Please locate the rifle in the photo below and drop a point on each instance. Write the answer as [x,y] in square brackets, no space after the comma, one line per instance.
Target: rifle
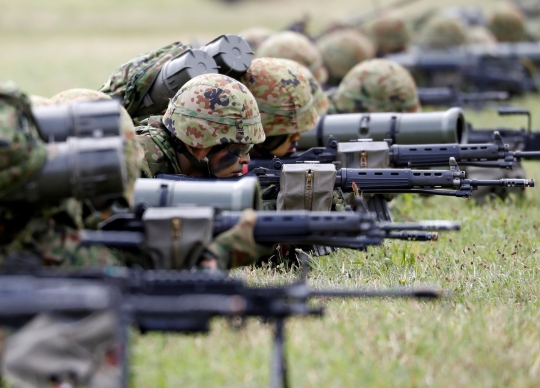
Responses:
[450,96]
[476,66]
[168,301]
[349,229]
[527,140]
[492,155]
[392,181]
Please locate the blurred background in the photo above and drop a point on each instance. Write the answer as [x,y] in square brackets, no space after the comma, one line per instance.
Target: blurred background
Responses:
[50,46]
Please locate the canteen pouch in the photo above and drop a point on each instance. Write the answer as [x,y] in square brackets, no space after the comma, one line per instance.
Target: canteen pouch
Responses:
[367,154]
[177,236]
[306,187]
[364,154]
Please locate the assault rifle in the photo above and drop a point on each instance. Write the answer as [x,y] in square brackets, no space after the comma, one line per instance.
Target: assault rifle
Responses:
[449,96]
[525,139]
[476,66]
[392,181]
[149,231]
[493,155]
[168,301]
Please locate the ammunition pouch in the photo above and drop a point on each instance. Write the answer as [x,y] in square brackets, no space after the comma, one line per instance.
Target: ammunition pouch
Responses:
[306,187]
[176,237]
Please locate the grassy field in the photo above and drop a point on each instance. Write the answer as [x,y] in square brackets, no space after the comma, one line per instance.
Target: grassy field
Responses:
[486,335]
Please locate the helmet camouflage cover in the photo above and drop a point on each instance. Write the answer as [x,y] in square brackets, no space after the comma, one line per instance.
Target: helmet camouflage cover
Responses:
[132,80]
[377,85]
[441,32]
[283,95]
[297,47]
[254,36]
[389,34]
[320,100]
[133,152]
[22,153]
[342,50]
[213,109]
[507,23]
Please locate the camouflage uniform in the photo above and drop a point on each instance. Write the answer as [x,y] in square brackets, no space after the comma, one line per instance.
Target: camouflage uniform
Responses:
[442,32]
[255,36]
[45,235]
[389,34]
[297,47]
[376,85]
[342,50]
[39,101]
[133,79]
[507,23]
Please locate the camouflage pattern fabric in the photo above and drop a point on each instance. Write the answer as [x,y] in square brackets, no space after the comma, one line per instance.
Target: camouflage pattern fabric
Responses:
[237,246]
[213,109]
[389,34]
[320,101]
[254,36]
[131,81]
[22,153]
[480,35]
[283,96]
[443,32]
[507,23]
[159,154]
[297,47]
[133,152]
[376,85]
[342,50]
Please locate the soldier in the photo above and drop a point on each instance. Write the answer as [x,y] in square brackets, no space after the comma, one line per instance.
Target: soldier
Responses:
[130,82]
[376,85]
[285,100]
[297,47]
[209,128]
[507,23]
[97,212]
[389,34]
[255,36]
[342,50]
[320,100]
[442,32]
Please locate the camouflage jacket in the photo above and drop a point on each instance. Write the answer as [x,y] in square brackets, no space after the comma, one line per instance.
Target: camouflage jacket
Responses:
[133,79]
[159,154]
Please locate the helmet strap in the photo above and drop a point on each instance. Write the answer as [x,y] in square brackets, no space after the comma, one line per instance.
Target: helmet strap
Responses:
[201,165]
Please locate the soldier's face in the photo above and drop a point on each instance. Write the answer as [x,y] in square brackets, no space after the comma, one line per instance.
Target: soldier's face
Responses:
[229,160]
[287,147]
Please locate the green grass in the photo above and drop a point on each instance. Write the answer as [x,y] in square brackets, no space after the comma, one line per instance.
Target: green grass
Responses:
[485,335]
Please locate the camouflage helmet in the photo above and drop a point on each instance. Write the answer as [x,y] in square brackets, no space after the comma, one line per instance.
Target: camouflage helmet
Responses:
[377,85]
[255,36]
[320,100]
[480,35]
[507,23]
[283,95]
[342,50]
[133,152]
[441,32]
[213,109]
[23,153]
[295,46]
[389,34]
